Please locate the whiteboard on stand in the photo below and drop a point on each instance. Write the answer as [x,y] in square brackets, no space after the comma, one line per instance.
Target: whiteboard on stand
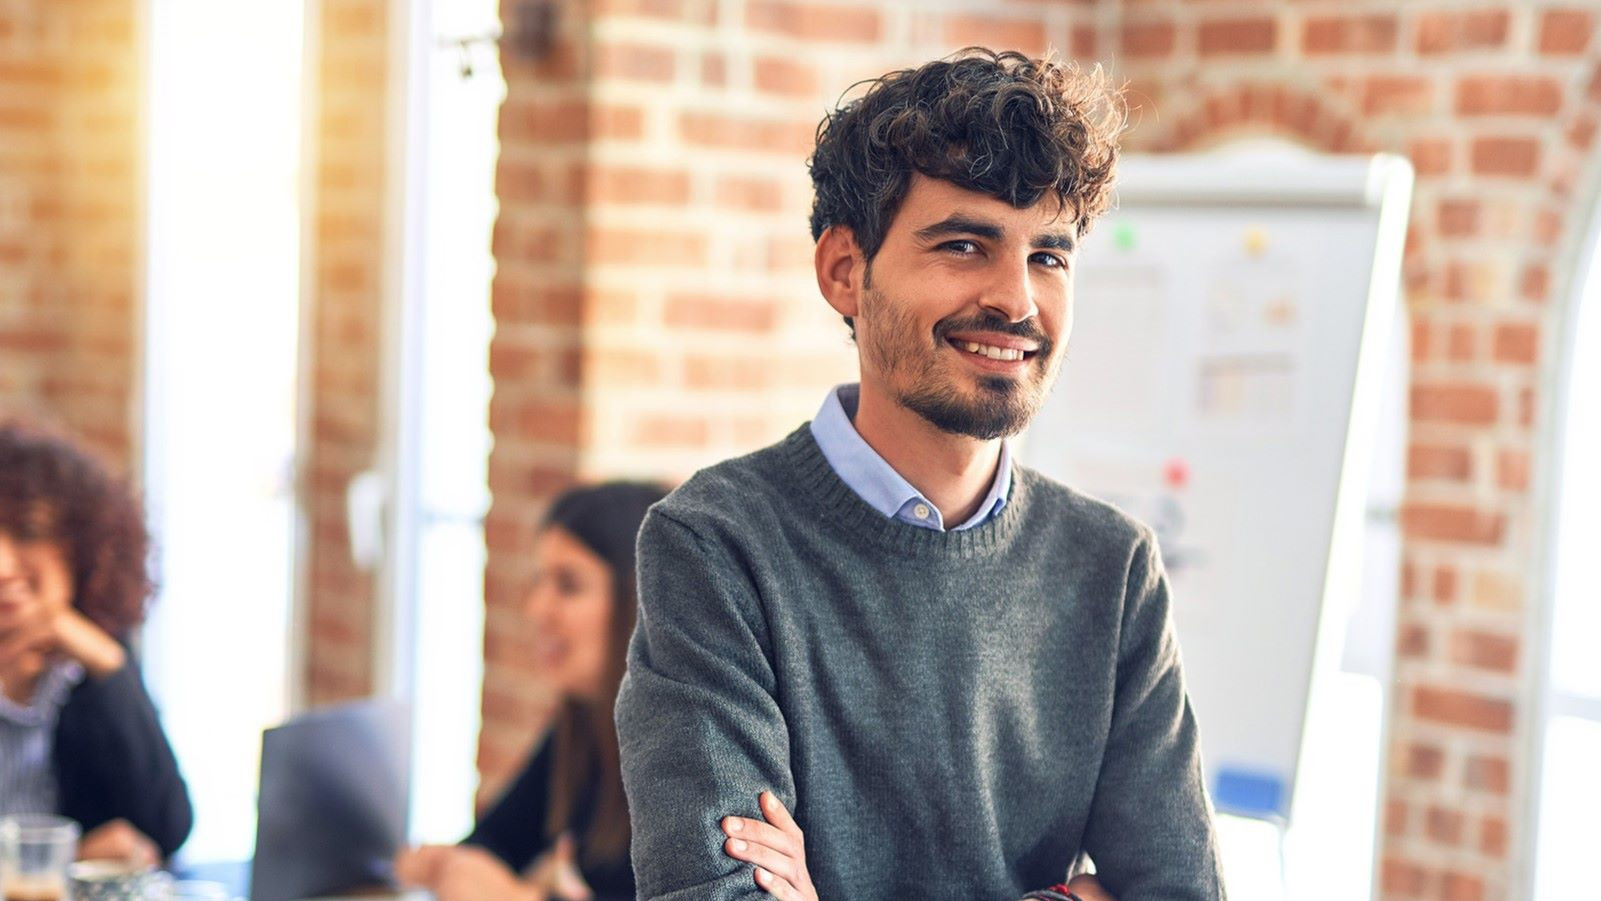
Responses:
[1222,384]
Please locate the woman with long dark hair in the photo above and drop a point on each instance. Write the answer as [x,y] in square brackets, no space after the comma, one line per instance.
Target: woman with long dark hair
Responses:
[566,808]
[78,733]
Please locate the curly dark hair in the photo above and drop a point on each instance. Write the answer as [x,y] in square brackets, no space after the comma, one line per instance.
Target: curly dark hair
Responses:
[1012,127]
[53,490]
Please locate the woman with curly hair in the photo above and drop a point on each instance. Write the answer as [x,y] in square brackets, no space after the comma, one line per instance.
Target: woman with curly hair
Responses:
[78,733]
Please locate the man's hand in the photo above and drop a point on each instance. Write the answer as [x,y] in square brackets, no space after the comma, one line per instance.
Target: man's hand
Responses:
[1087,887]
[119,840]
[777,848]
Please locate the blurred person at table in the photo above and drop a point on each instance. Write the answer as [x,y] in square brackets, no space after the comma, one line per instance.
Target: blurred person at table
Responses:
[560,832]
[78,733]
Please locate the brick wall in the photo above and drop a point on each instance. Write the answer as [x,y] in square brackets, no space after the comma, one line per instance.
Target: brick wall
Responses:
[69,232]
[351,68]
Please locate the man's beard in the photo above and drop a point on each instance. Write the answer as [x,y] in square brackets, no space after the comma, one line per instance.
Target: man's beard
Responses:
[1003,406]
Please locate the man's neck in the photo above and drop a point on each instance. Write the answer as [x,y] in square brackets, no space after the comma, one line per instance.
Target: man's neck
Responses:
[954,472]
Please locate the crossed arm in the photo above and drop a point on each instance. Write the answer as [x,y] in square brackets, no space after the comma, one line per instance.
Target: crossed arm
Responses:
[776,848]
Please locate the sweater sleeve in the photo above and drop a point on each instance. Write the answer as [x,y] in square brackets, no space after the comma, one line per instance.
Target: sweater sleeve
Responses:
[1150,828]
[112,760]
[700,732]
[513,829]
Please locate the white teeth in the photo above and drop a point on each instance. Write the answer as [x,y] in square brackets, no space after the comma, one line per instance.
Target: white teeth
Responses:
[994,353]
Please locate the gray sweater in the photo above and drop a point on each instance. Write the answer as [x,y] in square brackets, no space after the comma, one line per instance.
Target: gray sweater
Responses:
[949,715]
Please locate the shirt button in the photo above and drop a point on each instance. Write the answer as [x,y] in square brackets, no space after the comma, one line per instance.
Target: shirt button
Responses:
[920,511]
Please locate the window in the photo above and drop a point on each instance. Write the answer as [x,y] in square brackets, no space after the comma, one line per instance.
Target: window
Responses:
[1569,732]
[222,324]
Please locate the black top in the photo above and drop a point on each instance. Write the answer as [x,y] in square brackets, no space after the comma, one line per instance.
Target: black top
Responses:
[112,760]
[514,829]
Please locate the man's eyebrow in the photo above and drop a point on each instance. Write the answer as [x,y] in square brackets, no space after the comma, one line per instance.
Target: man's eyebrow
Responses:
[1055,241]
[959,224]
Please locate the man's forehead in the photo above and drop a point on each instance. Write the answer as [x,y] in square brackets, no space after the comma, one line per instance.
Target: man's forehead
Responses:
[930,201]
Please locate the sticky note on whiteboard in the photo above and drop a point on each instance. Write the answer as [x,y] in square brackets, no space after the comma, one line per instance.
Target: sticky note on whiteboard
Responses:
[1249,793]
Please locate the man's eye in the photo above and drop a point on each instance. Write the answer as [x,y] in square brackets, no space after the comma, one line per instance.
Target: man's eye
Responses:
[1050,260]
[961,248]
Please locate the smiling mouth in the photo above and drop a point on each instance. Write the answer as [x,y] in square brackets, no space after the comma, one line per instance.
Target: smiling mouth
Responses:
[991,352]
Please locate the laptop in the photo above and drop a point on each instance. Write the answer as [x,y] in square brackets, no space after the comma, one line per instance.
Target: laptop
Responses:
[335,789]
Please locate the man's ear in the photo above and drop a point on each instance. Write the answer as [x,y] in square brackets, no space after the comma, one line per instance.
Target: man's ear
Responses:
[840,269]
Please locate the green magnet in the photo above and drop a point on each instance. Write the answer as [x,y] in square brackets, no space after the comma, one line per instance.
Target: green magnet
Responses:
[1123,236]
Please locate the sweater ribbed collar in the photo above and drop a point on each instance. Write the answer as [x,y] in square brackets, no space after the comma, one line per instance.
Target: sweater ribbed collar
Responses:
[814,480]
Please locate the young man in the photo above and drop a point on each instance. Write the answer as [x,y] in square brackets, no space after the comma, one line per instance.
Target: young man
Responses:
[959,675]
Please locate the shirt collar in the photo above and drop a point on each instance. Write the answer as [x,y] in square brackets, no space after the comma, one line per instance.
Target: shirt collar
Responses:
[875,481]
[48,696]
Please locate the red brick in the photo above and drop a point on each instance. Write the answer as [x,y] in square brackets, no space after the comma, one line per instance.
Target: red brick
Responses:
[723,372]
[1148,39]
[756,194]
[1462,341]
[791,139]
[1443,522]
[1455,886]
[628,185]
[1517,342]
[1250,35]
[1457,218]
[1467,404]
[636,62]
[785,77]
[1027,35]
[714,70]
[1460,708]
[1412,642]
[1445,584]
[679,11]
[1402,878]
[613,367]
[1443,826]
[544,421]
[1536,282]
[1424,761]
[1430,156]
[815,21]
[1506,156]
[1430,461]
[1512,470]
[1084,42]
[1566,32]
[1483,650]
[1457,32]
[616,122]
[1508,95]
[1395,817]
[1349,34]
[666,431]
[1408,95]
[1487,774]
[1493,837]
[722,313]
[644,246]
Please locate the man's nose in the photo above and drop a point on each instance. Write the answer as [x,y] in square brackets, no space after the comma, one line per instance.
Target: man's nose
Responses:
[1010,294]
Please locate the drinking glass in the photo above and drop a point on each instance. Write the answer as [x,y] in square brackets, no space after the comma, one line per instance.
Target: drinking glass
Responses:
[35,850]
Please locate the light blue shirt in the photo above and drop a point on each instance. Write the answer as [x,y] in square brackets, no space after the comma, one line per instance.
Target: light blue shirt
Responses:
[876,482]
[27,736]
